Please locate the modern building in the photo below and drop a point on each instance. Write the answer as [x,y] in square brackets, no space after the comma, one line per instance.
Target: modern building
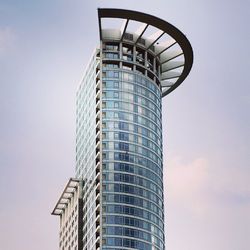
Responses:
[69,207]
[117,196]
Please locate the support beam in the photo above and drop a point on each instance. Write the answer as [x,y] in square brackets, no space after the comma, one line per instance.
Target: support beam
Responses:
[170,65]
[155,37]
[167,45]
[141,31]
[167,84]
[170,55]
[100,27]
[123,28]
[169,75]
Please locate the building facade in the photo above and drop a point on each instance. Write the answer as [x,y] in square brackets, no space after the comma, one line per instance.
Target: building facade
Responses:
[119,158]
[69,208]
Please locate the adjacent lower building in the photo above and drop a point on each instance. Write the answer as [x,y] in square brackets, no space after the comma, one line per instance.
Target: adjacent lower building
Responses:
[70,209]
[117,202]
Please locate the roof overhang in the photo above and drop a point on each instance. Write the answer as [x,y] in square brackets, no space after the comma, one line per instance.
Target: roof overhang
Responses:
[173,70]
[66,195]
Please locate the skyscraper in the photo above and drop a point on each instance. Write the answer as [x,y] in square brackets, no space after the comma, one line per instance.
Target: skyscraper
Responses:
[115,200]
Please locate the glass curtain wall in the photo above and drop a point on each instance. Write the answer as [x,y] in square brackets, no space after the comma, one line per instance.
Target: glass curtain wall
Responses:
[132,187]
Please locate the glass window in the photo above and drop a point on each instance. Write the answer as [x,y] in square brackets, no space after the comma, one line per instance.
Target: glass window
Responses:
[111,46]
[127,49]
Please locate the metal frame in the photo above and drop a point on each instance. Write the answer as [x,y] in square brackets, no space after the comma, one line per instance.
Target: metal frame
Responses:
[66,195]
[166,28]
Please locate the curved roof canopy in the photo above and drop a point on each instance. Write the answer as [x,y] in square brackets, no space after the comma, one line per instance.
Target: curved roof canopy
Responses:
[167,42]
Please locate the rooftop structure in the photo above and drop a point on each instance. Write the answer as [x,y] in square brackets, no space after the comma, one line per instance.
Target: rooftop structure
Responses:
[168,44]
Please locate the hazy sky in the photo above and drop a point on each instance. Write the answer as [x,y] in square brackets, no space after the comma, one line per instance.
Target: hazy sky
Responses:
[44,47]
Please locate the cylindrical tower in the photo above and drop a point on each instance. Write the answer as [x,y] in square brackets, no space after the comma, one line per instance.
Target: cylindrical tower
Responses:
[131,148]
[138,67]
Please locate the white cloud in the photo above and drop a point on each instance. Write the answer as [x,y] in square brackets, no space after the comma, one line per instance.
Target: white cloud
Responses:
[207,204]
[185,183]
[204,188]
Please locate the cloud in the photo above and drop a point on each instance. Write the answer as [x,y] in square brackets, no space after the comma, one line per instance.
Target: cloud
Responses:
[204,188]
[7,37]
[185,183]
[186,178]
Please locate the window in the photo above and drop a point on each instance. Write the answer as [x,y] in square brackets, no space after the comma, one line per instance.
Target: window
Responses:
[111,74]
[127,67]
[127,49]
[127,58]
[128,36]
[110,65]
[111,55]
[111,46]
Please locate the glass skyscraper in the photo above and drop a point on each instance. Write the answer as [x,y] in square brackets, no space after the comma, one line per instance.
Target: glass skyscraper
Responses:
[119,160]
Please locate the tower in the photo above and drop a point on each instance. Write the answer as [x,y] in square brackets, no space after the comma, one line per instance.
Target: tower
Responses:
[119,160]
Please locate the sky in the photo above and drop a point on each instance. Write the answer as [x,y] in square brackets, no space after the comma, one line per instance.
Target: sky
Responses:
[44,48]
